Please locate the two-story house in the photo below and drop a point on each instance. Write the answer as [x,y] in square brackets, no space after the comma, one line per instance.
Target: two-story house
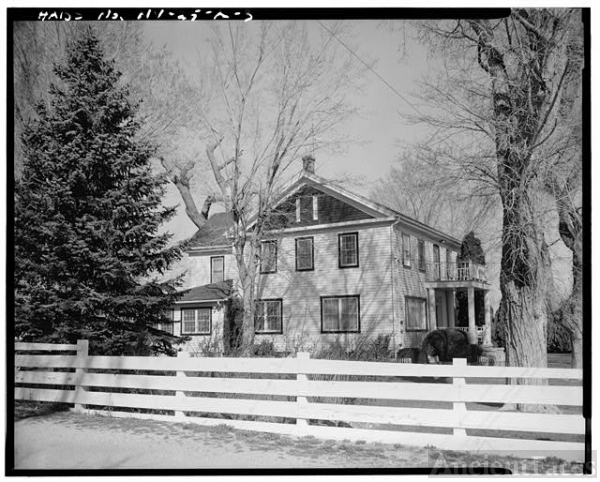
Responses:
[341,267]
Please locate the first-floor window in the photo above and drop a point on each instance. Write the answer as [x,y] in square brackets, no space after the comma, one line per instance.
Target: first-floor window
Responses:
[166,326]
[268,316]
[415,314]
[340,314]
[196,321]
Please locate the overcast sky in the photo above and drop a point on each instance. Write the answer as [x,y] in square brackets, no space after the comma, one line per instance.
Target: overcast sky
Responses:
[379,132]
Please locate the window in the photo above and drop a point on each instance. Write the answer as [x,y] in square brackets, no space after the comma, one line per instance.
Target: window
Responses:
[166,326]
[340,314]
[298,207]
[449,270]
[348,250]
[196,321]
[268,316]
[436,262]
[406,250]
[268,257]
[415,314]
[304,254]
[217,269]
[421,255]
[315,207]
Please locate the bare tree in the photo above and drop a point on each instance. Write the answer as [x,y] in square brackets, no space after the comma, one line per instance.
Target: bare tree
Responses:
[278,91]
[415,188]
[496,116]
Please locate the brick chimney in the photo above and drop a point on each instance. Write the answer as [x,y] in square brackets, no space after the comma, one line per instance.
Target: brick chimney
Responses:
[308,163]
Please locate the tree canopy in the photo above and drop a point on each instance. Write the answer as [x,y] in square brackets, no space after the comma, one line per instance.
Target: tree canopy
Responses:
[88,210]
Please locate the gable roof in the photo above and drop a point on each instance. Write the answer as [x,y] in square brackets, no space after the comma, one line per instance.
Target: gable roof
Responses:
[218,227]
[328,187]
[373,208]
[211,292]
[213,232]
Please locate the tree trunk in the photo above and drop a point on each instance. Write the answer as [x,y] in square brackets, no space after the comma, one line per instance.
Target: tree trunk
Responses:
[247,267]
[577,349]
[191,209]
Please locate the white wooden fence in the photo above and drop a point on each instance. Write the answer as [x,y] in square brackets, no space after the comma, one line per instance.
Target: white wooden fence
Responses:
[380,402]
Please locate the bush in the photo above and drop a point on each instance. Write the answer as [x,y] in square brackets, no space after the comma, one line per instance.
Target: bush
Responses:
[365,350]
[265,349]
[559,337]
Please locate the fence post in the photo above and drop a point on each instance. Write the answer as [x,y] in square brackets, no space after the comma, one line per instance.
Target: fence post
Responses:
[82,354]
[460,408]
[180,394]
[301,402]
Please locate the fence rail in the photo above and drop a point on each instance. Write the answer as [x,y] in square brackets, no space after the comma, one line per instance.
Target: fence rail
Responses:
[379,401]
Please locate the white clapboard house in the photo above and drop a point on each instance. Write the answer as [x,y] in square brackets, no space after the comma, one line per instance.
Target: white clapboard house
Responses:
[342,267]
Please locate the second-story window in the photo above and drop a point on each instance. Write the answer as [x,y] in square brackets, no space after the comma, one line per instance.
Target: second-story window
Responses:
[421,255]
[406,250]
[315,201]
[304,254]
[298,210]
[268,257]
[217,269]
[348,250]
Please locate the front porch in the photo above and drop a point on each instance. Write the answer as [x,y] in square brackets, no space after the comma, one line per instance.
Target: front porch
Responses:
[443,281]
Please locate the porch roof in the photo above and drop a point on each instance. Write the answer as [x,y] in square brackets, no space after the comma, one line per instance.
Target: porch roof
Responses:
[205,293]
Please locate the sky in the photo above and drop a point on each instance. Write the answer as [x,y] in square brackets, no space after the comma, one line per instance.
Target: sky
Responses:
[379,131]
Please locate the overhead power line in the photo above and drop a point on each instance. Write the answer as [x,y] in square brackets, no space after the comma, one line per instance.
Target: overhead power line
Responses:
[390,86]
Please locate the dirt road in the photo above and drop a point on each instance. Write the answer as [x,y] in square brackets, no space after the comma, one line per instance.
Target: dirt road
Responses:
[70,441]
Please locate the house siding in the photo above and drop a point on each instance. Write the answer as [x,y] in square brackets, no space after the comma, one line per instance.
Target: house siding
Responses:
[301,291]
[201,344]
[198,268]
[410,282]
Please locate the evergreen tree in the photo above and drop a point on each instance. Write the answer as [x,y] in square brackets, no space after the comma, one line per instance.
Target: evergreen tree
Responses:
[470,250]
[88,253]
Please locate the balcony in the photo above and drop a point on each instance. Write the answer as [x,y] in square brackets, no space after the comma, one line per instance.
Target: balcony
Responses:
[459,271]
[462,274]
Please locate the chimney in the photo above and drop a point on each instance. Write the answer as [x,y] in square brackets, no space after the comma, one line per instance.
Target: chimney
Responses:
[308,163]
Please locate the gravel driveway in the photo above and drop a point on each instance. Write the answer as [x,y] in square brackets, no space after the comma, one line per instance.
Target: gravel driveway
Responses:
[66,440]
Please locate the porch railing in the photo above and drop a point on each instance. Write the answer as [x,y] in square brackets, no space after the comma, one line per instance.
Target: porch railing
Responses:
[459,271]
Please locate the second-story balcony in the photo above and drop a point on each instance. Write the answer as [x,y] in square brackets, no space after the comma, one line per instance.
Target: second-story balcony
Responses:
[461,271]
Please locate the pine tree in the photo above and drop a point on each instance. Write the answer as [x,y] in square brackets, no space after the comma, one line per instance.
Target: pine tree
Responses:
[88,252]
[470,250]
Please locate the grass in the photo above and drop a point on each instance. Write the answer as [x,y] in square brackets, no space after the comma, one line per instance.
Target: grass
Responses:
[27,409]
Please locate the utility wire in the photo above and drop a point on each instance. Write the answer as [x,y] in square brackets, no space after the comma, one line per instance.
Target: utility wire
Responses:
[370,68]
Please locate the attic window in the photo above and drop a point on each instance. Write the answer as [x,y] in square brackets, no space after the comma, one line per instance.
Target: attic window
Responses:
[297,210]
[315,207]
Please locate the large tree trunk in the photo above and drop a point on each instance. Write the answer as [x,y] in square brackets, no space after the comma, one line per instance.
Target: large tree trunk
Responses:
[247,269]
[570,227]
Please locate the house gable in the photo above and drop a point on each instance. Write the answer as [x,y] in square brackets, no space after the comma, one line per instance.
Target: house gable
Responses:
[329,209]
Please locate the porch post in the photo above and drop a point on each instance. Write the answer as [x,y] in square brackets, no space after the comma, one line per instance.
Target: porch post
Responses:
[472,333]
[451,307]
[431,308]
[487,332]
